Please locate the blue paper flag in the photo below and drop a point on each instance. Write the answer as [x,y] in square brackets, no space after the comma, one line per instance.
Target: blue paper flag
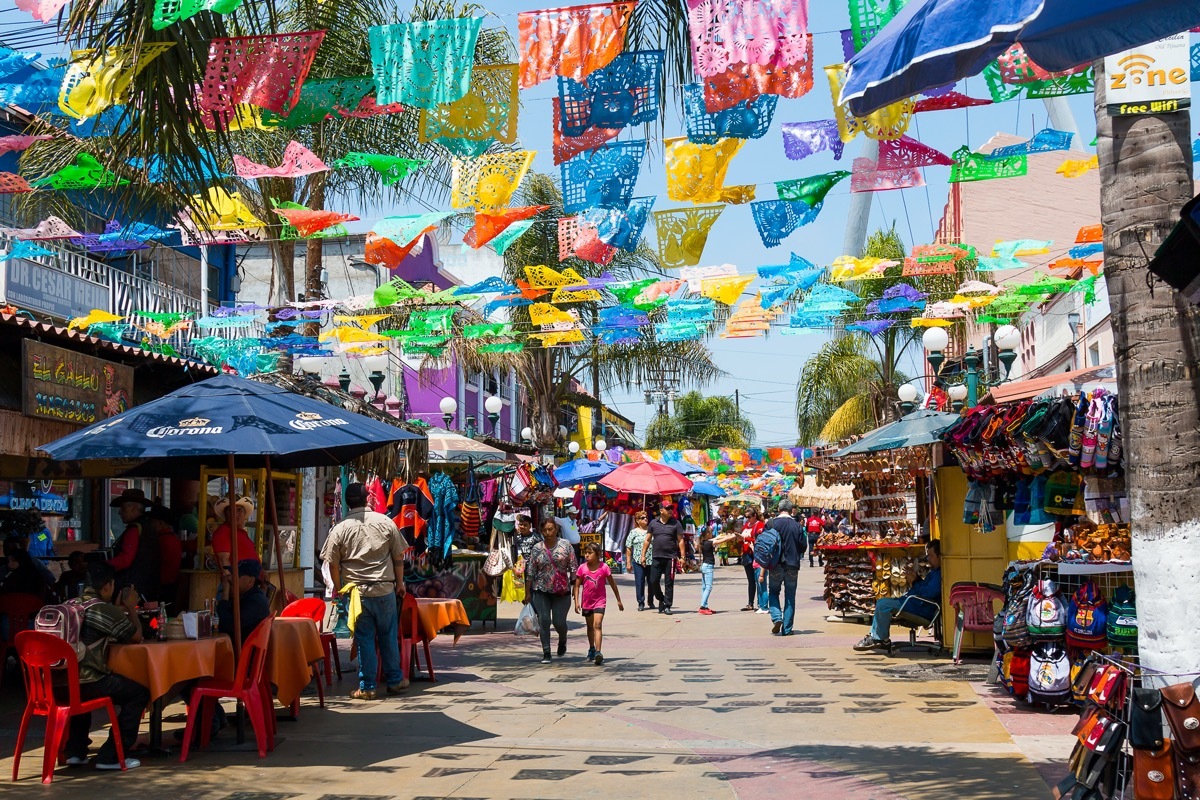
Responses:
[14,60]
[22,249]
[603,178]
[620,228]
[623,93]
[1086,250]
[619,336]
[491,285]
[749,119]
[873,327]
[1044,141]
[778,219]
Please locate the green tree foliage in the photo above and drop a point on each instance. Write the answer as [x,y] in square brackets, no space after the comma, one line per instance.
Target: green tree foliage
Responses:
[700,423]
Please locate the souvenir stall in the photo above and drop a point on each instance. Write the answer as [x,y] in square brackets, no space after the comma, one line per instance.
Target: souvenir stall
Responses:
[1054,465]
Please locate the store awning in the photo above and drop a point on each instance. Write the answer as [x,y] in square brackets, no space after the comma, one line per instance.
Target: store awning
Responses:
[447,447]
[921,427]
[1032,387]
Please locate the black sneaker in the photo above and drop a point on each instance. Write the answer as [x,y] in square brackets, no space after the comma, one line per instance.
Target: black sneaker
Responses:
[667,611]
[776,627]
[869,643]
[562,649]
[545,656]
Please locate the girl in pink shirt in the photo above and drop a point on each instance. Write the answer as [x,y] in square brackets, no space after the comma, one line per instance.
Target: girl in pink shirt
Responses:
[590,577]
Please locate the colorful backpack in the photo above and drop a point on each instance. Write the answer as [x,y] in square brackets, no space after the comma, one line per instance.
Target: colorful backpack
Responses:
[1087,618]
[66,622]
[1016,611]
[1018,673]
[1049,674]
[1122,624]
[1047,614]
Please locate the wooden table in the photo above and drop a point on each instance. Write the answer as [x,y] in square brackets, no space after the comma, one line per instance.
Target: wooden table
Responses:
[161,666]
[436,614]
[295,644]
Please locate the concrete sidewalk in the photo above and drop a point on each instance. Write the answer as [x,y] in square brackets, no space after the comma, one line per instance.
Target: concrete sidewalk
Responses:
[686,705]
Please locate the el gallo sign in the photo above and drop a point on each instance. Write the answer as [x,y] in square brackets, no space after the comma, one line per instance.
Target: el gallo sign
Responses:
[1152,79]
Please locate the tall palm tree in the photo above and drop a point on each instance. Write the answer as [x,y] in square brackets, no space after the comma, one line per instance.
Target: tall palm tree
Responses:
[700,423]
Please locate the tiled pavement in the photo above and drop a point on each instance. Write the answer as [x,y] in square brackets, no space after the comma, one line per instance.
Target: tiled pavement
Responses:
[687,705]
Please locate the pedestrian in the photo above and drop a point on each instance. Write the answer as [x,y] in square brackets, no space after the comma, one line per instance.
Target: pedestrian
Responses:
[135,556]
[814,525]
[548,575]
[751,528]
[366,550]
[638,552]
[107,620]
[526,537]
[666,537]
[590,579]
[708,565]
[783,575]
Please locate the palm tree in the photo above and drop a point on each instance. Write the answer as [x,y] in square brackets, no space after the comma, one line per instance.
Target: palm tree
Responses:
[700,423]
[1145,178]
[546,373]
[345,53]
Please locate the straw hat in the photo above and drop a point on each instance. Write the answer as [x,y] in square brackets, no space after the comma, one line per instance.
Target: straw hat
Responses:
[223,504]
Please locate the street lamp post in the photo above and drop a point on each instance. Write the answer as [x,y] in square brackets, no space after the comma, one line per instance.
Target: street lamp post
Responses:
[493,406]
[1007,339]
[448,407]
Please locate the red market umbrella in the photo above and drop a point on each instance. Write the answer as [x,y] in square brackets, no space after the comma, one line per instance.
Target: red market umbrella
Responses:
[646,478]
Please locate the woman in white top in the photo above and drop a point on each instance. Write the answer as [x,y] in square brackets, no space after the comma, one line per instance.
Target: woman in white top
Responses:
[638,553]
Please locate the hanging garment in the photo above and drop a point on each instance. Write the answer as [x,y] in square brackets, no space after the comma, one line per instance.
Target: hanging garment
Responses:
[443,522]
[412,508]
[375,499]
[470,516]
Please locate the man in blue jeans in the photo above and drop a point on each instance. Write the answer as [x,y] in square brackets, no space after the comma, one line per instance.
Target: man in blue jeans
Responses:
[367,550]
[927,589]
[783,575]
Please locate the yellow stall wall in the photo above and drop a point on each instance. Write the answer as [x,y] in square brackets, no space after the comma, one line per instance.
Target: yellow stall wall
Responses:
[966,555]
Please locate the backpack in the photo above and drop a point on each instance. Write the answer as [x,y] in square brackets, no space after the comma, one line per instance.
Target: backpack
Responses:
[1018,673]
[1049,674]
[768,549]
[1087,618]
[1016,612]
[1047,614]
[1122,624]
[65,621]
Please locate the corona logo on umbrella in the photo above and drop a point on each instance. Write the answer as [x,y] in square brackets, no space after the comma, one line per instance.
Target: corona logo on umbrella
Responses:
[308,420]
[196,426]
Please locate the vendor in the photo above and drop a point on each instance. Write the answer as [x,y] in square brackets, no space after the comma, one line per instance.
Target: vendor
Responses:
[136,556]
[221,537]
[928,590]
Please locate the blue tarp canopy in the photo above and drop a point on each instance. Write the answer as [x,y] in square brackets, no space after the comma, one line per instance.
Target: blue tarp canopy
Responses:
[581,470]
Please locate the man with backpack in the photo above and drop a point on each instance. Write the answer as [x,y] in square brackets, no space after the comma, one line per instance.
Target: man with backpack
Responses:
[783,559]
[928,590]
[104,623]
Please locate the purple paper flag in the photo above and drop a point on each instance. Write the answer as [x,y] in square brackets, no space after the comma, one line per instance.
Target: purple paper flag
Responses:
[802,139]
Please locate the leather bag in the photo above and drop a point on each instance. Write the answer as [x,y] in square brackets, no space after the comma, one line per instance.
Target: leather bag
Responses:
[1187,775]
[1154,774]
[1145,720]
[1183,714]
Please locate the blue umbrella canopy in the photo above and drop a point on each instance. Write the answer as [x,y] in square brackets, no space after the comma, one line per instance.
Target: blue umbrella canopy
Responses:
[708,489]
[206,422]
[918,428]
[931,43]
[581,470]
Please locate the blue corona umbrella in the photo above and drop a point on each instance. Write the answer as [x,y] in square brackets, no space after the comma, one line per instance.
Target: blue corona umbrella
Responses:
[581,470]
[934,42]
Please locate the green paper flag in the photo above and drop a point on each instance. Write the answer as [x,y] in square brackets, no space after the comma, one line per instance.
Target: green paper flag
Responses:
[487,330]
[320,97]
[1088,287]
[393,168]
[1043,286]
[502,347]
[506,237]
[431,321]
[167,320]
[812,190]
[970,166]
[85,173]
[627,292]
[867,18]
[393,292]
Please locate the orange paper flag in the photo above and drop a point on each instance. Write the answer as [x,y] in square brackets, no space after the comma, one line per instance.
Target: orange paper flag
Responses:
[307,222]
[490,224]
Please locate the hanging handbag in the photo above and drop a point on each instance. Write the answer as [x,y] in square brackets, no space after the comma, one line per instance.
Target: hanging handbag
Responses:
[1187,775]
[520,484]
[469,515]
[499,557]
[1154,773]
[1145,720]
[1183,714]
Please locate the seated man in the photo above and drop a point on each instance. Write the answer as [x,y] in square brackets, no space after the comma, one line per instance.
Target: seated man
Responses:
[104,623]
[73,577]
[928,589]
[254,605]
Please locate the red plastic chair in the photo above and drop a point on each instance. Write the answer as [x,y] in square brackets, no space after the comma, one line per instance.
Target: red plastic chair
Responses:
[247,687]
[410,633]
[20,610]
[310,608]
[38,652]
[975,610]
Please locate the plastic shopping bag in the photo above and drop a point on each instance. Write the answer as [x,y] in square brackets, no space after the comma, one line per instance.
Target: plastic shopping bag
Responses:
[527,622]
[509,593]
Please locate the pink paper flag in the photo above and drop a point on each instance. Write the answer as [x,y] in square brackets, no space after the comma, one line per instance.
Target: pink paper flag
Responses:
[50,228]
[12,144]
[907,153]
[866,178]
[297,160]
[42,10]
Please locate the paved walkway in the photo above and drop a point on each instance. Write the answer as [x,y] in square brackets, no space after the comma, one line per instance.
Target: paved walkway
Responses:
[685,706]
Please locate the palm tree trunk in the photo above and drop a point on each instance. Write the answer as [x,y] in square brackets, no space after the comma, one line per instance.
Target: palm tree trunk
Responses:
[1145,178]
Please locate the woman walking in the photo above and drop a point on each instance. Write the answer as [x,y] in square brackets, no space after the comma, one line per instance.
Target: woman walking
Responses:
[548,576]
[638,552]
[757,590]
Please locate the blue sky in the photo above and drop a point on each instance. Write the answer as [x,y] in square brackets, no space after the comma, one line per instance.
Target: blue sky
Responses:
[765,371]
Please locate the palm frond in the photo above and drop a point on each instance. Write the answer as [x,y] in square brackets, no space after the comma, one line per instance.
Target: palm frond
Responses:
[855,416]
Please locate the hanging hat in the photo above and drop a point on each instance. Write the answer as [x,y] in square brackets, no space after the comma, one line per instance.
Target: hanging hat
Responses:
[223,504]
[130,496]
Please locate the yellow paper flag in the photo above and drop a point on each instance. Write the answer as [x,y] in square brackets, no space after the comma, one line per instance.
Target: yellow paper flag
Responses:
[725,290]
[96,82]
[696,172]
[889,122]
[489,180]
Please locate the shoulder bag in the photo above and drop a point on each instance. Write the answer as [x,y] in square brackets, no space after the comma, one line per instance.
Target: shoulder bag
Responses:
[1183,714]
[1145,720]
[1154,773]
[499,557]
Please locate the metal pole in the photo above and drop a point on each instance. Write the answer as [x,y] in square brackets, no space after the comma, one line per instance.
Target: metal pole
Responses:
[274,514]
[737,401]
[971,361]
[203,279]
[858,219]
[235,598]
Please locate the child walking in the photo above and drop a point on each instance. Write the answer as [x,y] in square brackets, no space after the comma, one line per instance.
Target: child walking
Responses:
[708,564]
[590,577]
